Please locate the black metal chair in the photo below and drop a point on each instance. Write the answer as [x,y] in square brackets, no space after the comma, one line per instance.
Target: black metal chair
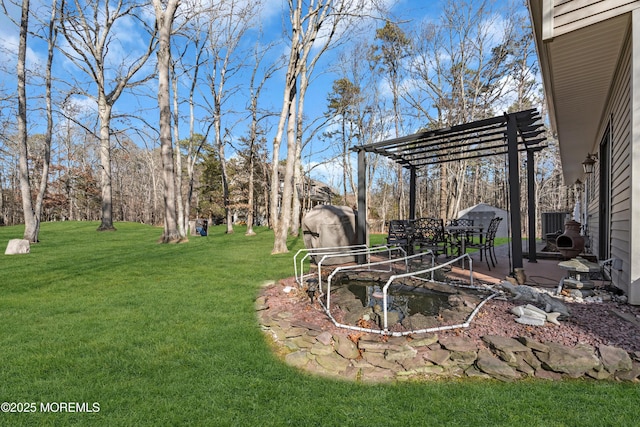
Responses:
[486,243]
[429,234]
[400,233]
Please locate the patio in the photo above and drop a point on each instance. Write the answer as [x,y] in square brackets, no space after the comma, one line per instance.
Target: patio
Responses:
[543,273]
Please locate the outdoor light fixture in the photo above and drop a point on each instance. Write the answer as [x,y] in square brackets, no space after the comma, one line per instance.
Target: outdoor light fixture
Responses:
[589,162]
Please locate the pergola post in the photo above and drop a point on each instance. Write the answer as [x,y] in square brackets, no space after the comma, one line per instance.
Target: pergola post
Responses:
[514,191]
[361,232]
[531,206]
[412,192]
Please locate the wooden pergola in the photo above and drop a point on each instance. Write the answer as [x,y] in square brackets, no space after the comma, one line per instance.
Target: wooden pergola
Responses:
[508,134]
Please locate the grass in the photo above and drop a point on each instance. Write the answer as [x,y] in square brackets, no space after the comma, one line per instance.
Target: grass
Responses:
[166,335]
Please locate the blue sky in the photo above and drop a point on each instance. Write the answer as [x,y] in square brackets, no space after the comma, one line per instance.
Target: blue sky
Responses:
[130,40]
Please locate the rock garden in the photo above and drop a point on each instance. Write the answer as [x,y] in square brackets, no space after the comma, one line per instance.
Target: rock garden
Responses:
[520,333]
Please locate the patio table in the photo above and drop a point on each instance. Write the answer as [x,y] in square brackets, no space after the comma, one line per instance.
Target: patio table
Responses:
[461,233]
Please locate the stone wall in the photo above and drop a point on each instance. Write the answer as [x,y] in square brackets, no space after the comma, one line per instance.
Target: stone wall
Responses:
[372,357]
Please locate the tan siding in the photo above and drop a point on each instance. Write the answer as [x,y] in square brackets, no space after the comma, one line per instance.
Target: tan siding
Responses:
[619,110]
[621,168]
[572,15]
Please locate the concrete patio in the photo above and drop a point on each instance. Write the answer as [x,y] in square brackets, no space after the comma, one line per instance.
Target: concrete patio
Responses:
[544,272]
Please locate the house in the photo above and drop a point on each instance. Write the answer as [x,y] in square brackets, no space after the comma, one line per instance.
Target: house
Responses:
[589,54]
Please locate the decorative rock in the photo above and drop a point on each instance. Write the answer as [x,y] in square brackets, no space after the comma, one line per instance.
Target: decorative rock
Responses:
[261,303]
[346,348]
[295,332]
[377,359]
[407,352]
[325,338]
[504,343]
[495,367]
[472,371]
[458,344]
[522,365]
[463,358]
[424,341]
[439,357]
[614,359]
[319,349]
[573,361]
[428,370]
[414,362]
[547,375]
[17,247]
[533,344]
[333,362]
[298,359]
[376,346]
[632,375]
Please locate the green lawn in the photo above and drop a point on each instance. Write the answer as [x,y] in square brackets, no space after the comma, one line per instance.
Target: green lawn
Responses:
[167,335]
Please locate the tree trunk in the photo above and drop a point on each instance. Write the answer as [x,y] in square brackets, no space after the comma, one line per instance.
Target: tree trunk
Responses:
[104,112]
[182,221]
[31,222]
[164,22]
[282,227]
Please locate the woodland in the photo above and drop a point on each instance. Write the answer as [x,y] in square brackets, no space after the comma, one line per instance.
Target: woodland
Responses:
[207,114]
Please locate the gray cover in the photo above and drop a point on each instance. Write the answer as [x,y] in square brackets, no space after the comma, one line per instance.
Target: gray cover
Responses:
[328,226]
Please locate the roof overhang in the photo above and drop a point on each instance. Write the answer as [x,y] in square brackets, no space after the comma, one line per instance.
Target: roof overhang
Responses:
[578,68]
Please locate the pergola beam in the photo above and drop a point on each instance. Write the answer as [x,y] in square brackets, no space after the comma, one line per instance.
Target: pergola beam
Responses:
[508,134]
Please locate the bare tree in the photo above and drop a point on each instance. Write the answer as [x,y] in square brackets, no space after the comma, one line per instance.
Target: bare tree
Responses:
[165,14]
[32,214]
[460,67]
[229,25]
[256,86]
[314,27]
[30,219]
[88,28]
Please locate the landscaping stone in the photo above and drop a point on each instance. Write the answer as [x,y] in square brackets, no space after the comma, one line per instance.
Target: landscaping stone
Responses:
[406,352]
[346,348]
[439,357]
[458,344]
[17,247]
[319,349]
[424,341]
[490,364]
[614,359]
[325,338]
[297,359]
[573,361]
[333,362]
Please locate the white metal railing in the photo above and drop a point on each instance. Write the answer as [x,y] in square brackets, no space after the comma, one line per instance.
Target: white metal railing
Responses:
[323,254]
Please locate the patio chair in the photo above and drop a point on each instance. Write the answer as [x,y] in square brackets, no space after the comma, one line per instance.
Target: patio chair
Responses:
[399,233]
[485,245]
[429,234]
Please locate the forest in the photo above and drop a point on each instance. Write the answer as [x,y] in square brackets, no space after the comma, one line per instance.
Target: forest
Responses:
[164,111]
